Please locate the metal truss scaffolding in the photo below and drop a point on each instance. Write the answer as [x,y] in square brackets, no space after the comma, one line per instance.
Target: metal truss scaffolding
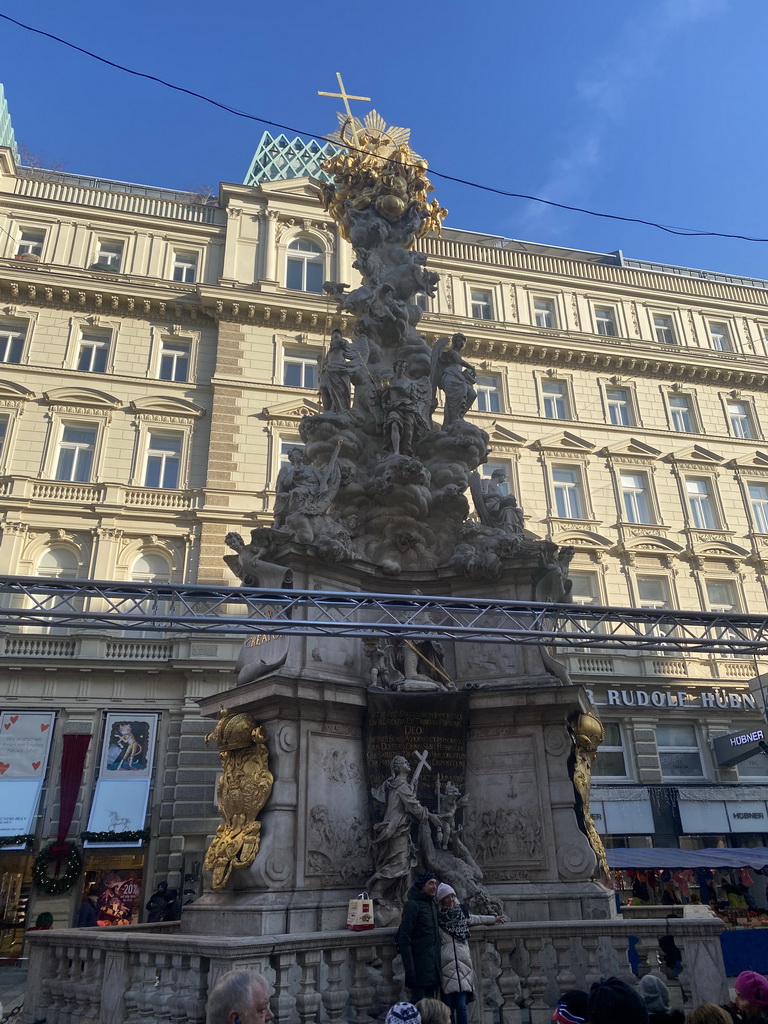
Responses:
[30,602]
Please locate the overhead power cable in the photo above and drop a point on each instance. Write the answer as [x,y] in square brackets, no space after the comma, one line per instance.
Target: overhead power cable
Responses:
[687,232]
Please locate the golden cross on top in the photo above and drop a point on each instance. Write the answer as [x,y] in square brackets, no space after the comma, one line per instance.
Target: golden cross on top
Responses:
[345,97]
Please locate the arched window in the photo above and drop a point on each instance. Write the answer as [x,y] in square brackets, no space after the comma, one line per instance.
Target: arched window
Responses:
[304,266]
[57,563]
[151,568]
[54,564]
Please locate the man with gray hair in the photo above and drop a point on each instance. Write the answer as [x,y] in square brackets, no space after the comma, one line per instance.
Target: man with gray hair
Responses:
[239,997]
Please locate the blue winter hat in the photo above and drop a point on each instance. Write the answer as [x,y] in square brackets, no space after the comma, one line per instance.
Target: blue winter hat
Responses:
[403,1013]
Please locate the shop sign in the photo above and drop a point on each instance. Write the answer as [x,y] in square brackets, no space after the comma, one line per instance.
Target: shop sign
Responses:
[25,742]
[726,700]
[738,746]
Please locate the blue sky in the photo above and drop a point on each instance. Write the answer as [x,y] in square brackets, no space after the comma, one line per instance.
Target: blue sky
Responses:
[646,108]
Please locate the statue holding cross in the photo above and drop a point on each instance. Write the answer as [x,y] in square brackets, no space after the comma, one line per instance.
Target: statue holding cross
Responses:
[393,847]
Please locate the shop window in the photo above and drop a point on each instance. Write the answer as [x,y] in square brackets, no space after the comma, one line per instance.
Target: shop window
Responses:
[679,751]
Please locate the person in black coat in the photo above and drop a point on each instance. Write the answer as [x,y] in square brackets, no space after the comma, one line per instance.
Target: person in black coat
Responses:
[418,939]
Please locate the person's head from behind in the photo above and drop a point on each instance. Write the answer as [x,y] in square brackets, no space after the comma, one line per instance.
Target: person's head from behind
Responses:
[654,994]
[751,993]
[44,920]
[571,1007]
[709,1013]
[613,1000]
[433,1011]
[405,1013]
[239,997]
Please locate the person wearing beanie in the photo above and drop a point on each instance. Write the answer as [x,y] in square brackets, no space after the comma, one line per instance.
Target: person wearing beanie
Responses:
[655,995]
[751,1002]
[457,976]
[613,1000]
[403,1013]
[571,1007]
[418,938]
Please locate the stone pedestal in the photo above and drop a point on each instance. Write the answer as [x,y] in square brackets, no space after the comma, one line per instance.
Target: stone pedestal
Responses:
[519,823]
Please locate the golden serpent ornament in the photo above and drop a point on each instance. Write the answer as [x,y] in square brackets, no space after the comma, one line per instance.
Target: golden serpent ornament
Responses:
[243,790]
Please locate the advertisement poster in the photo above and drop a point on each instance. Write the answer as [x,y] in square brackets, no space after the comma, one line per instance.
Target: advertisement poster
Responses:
[125,775]
[118,898]
[25,741]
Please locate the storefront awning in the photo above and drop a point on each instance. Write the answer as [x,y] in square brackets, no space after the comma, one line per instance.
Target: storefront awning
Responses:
[660,857]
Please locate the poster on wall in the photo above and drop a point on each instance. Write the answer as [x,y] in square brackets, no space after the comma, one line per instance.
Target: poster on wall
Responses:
[25,743]
[125,776]
[117,901]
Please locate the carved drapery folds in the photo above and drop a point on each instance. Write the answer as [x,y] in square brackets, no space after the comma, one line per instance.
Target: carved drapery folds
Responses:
[586,735]
[243,790]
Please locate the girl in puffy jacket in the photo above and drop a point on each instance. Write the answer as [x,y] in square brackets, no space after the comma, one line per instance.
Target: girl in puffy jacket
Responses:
[457,976]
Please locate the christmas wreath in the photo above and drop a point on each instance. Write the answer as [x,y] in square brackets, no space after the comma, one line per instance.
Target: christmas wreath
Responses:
[66,855]
[17,840]
[128,836]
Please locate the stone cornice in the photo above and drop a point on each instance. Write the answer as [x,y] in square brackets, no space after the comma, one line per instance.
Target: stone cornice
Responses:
[82,291]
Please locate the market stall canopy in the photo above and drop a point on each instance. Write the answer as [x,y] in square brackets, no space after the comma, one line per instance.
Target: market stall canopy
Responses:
[715,857]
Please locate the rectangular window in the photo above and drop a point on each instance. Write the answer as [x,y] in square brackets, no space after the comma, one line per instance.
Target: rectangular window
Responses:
[185,267]
[422,301]
[665,332]
[299,371]
[740,419]
[31,243]
[555,394]
[544,312]
[109,255]
[701,503]
[93,352]
[584,588]
[719,337]
[757,765]
[3,433]
[163,467]
[634,496]
[174,361]
[488,399]
[569,500]
[605,321]
[682,414]
[679,751]
[721,596]
[482,305]
[76,451]
[758,497]
[611,761]
[653,594]
[619,407]
[11,343]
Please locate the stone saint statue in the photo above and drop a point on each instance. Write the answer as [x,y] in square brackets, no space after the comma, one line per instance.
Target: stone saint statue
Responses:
[454,377]
[404,402]
[553,583]
[284,484]
[335,376]
[495,506]
[393,849]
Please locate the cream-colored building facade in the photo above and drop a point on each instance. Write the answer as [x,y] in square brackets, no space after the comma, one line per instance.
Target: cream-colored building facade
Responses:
[157,353]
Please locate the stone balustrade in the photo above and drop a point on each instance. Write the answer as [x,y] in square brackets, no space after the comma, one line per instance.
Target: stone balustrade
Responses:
[146,973]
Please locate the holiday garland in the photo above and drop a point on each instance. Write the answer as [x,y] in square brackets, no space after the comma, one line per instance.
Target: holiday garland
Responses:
[17,840]
[66,853]
[119,837]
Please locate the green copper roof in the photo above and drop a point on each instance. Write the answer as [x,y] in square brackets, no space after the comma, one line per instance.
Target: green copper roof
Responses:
[279,158]
[6,128]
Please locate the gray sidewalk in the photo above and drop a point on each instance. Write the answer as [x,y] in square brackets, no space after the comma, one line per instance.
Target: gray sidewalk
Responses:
[13,981]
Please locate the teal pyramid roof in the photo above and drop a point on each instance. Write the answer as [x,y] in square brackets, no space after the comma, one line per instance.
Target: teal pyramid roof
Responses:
[7,137]
[278,158]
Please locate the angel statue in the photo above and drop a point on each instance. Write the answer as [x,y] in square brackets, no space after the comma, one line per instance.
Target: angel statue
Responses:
[454,377]
[311,494]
